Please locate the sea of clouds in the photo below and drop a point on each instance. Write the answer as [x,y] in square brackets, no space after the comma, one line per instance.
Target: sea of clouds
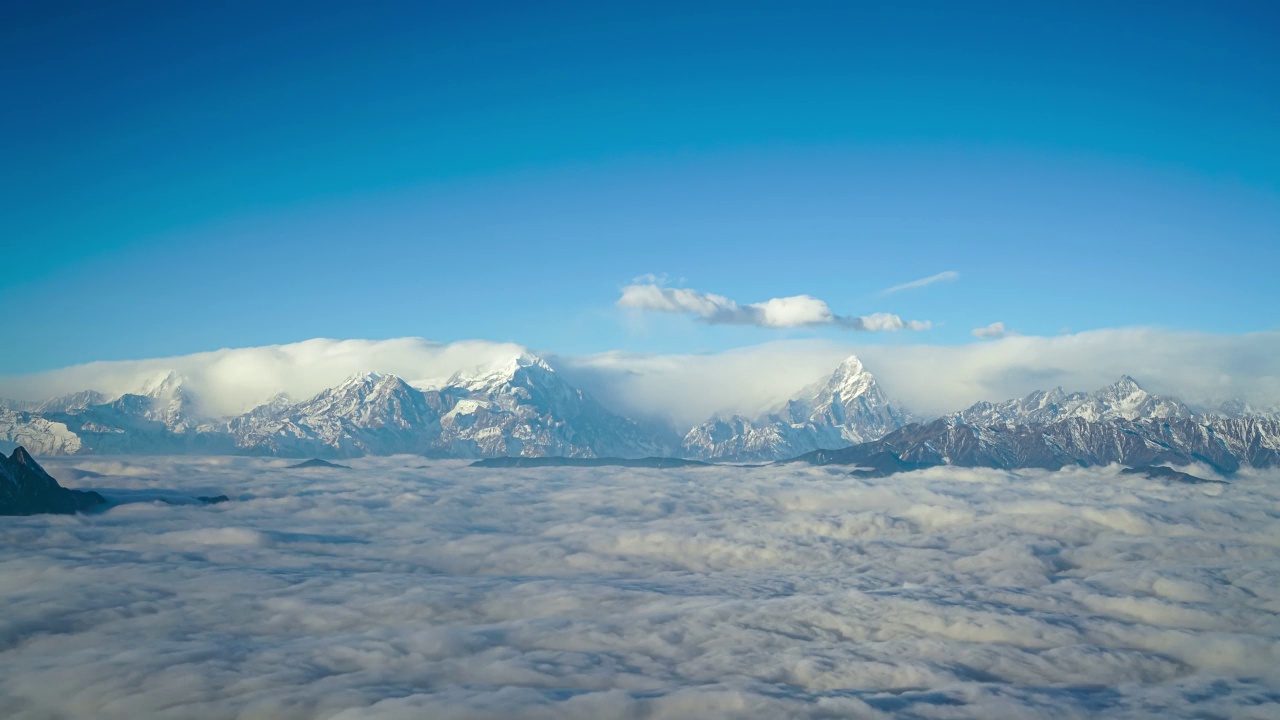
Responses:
[405,588]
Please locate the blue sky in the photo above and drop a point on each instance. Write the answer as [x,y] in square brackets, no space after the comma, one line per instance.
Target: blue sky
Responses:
[182,178]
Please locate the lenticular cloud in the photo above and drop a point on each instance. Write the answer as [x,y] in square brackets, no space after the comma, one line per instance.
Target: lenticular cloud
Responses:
[403,589]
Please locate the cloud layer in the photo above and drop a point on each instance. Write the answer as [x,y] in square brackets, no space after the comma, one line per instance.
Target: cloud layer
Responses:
[406,589]
[784,312]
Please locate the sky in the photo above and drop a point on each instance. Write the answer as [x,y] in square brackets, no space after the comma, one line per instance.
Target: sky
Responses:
[647,178]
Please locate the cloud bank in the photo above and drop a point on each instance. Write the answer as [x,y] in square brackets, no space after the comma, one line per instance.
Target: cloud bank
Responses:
[1204,369]
[1201,368]
[922,282]
[784,312]
[407,589]
[230,381]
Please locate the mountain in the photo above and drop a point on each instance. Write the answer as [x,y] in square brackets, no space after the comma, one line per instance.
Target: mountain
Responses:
[42,435]
[366,414]
[26,489]
[846,408]
[1123,400]
[525,408]
[1121,423]
[521,407]
[1224,444]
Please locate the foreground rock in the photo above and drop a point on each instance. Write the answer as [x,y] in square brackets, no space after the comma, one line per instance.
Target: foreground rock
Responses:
[26,489]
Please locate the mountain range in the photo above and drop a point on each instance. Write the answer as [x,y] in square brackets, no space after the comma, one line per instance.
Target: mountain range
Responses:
[524,408]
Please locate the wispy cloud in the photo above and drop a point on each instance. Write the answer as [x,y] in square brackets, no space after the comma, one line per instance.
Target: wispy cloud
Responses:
[944,275]
[783,312]
[993,331]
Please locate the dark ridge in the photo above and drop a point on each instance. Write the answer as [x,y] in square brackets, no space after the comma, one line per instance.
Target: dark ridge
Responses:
[212,499]
[531,462]
[26,489]
[1160,472]
[317,463]
[1073,442]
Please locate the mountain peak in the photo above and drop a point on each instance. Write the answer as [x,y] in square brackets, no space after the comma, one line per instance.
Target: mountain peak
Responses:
[1127,385]
[22,457]
[851,365]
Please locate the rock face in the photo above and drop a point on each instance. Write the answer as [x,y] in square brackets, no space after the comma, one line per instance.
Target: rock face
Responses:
[846,408]
[26,489]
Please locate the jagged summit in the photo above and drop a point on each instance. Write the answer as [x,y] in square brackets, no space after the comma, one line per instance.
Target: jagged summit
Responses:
[1122,400]
[845,408]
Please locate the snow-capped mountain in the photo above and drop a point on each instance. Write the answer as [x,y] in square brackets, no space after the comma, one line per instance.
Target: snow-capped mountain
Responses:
[526,408]
[36,433]
[366,414]
[1122,400]
[520,407]
[847,408]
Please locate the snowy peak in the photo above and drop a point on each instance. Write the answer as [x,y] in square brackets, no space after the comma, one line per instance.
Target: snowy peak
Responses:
[72,402]
[369,399]
[848,407]
[1122,400]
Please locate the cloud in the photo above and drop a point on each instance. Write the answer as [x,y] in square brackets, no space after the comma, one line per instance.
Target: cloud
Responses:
[230,381]
[409,588]
[1202,368]
[944,275]
[994,331]
[784,312]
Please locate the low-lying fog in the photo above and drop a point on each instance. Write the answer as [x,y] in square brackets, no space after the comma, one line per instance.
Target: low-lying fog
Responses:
[405,588]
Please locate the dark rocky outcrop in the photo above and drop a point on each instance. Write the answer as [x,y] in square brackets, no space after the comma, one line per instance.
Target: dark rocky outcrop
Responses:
[318,463]
[1160,472]
[26,489]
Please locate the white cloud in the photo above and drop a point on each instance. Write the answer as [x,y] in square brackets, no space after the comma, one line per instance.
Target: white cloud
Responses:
[685,389]
[1201,368]
[784,312]
[944,275]
[994,331]
[230,381]
[407,588]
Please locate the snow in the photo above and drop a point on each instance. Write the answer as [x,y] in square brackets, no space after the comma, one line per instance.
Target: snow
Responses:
[410,588]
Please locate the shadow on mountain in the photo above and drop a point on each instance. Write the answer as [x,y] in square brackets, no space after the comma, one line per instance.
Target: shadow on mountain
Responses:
[318,463]
[1159,472]
[130,496]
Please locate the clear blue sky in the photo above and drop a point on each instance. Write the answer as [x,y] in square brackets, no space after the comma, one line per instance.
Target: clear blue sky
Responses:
[177,177]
